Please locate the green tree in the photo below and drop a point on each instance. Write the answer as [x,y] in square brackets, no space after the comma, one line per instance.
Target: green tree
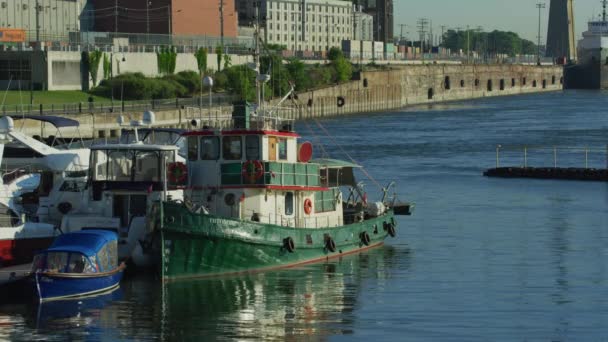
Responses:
[93,60]
[201,60]
[299,75]
[219,51]
[334,54]
[241,82]
[344,70]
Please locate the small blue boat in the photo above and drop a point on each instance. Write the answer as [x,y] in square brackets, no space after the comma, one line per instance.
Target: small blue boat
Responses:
[78,264]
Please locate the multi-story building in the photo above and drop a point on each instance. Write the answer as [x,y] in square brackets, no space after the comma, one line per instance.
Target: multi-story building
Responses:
[42,19]
[178,17]
[382,11]
[363,26]
[301,25]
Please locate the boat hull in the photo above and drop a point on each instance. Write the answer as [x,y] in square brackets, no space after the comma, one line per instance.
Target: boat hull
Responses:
[21,251]
[195,245]
[65,286]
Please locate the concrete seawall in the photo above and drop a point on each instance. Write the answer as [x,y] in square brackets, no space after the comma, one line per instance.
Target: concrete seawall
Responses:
[372,91]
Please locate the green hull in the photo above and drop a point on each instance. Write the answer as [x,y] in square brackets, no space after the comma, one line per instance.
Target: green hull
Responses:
[198,245]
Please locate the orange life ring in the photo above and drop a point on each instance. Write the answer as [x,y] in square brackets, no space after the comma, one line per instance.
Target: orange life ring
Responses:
[177,173]
[308,206]
[252,170]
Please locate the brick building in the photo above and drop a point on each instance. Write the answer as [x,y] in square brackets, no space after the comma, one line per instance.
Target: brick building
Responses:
[178,17]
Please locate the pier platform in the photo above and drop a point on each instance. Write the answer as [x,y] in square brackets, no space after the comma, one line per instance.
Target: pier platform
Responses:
[579,174]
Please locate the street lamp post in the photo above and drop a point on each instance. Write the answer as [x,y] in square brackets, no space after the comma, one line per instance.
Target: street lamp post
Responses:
[540,6]
[148,3]
[208,82]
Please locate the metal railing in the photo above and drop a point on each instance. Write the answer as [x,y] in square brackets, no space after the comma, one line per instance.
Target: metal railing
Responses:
[537,156]
[113,106]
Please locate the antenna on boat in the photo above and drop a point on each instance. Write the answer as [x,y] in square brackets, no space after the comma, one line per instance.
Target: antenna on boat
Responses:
[148,120]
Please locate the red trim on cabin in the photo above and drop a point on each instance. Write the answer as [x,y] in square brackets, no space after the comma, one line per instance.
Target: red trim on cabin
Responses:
[276,133]
[242,132]
[270,187]
[197,133]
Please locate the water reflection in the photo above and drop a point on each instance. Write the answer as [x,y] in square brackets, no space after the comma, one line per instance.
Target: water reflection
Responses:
[59,320]
[314,301]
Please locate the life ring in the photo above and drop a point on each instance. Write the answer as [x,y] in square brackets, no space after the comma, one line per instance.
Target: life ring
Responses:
[252,171]
[307,206]
[365,239]
[341,101]
[330,245]
[289,245]
[177,173]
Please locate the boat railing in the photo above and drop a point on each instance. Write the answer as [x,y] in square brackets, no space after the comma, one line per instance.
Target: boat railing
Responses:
[556,156]
[11,176]
[306,222]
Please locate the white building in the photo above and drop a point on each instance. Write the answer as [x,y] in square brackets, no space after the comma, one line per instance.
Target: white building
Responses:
[364,26]
[302,25]
[56,18]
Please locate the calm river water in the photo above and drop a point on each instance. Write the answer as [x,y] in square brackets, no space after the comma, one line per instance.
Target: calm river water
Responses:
[481,259]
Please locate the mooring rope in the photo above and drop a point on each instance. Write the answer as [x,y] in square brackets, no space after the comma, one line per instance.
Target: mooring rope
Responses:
[348,155]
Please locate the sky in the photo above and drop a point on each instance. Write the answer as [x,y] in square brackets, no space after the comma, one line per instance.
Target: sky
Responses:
[520,16]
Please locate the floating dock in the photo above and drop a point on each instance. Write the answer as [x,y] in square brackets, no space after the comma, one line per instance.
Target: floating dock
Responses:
[579,174]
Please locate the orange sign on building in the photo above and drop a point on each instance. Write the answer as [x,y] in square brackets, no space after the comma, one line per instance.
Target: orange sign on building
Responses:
[8,35]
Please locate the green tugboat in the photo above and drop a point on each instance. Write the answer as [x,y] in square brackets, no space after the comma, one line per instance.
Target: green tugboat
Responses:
[257,201]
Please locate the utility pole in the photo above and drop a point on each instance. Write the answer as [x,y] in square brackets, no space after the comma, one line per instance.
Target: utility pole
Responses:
[401,36]
[443,27]
[222,23]
[147,21]
[37,23]
[468,44]
[540,6]
[115,16]
[170,13]
[422,25]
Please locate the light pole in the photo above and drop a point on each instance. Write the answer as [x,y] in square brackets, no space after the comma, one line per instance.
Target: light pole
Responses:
[208,82]
[540,6]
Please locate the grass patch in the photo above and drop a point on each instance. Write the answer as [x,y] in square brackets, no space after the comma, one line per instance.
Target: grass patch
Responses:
[48,97]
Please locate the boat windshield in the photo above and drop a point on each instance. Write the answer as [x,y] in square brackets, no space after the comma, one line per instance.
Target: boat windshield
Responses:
[64,262]
[130,165]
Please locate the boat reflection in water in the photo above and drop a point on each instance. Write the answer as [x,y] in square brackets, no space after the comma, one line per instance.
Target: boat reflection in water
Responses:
[313,301]
[75,313]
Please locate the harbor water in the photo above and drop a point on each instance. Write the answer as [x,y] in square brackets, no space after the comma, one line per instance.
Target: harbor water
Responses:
[481,259]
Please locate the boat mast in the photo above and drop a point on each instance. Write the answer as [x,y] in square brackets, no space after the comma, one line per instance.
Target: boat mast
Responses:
[256,55]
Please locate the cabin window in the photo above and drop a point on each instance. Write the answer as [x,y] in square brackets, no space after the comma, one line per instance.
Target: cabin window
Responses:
[252,146]
[147,167]
[282,149]
[121,165]
[325,201]
[210,148]
[78,262]
[192,148]
[56,261]
[104,258]
[232,148]
[289,203]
